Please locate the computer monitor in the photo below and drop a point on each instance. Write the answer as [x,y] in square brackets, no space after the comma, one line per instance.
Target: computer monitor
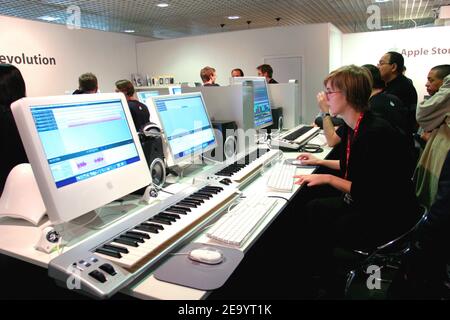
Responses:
[175,90]
[144,96]
[186,126]
[82,149]
[256,104]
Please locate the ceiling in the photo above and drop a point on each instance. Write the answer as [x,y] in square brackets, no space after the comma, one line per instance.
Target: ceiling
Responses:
[195,17]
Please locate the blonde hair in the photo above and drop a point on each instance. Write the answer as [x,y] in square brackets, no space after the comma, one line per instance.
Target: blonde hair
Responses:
[206,73]
[355,83]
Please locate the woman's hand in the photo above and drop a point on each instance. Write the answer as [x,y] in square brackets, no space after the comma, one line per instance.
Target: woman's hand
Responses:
[312,180]
[322,101]
[308,159]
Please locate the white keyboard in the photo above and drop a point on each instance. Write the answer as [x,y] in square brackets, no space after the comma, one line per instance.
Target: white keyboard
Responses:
[236,226]
[281,177]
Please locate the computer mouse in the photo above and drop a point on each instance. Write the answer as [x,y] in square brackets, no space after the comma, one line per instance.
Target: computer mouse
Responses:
[296,162]
[206,255]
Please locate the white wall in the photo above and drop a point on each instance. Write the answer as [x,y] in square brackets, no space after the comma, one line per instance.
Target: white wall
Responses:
[110,56]
[183,58]
[419,47]
[336,38]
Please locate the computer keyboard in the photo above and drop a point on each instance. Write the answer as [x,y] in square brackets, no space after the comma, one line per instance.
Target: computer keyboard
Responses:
[235,227]
[281,177]
[295,138]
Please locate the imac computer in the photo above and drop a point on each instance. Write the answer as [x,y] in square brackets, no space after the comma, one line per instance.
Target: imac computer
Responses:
[174,90]
[185,124]
[83,151]
[144,96]
[257,112]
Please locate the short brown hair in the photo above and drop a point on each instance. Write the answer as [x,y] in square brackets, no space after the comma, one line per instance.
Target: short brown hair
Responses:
[88,82]
[355,83]
[206,73]
[126,87]
[266,68]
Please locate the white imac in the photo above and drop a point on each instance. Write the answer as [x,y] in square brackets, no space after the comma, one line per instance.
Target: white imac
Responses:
[145,96]
[186,127]
[83,151]
[257,111]
[174,90]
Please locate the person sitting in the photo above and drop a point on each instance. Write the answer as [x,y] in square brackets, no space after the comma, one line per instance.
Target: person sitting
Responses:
[237,73]
[87,83]
[209,77]
[433,115]
[392,66]
[374,200]
[12,88]
[139,111]
[266,71]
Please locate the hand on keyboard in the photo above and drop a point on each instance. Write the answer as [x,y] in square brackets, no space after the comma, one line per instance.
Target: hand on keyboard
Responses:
[312,180]
[308,159]
[281,177]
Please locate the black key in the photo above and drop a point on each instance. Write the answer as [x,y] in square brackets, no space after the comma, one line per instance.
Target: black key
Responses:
[132,238]
[171,210]
[126,242]
[187,204]
[213,188]
[177,207]
[162,216]
[108,252]
[115,248]
[160,220]
[191,201]
[139,234]
[147,228]
[209,191]
[156,226]
[203,195]
[97,275]
[170,215]
[196,199]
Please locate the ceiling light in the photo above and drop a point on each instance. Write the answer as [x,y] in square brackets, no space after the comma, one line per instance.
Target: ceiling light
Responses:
[233,17]
[386,27]
[381,1]
[48,18]
[129,31]
[163,5]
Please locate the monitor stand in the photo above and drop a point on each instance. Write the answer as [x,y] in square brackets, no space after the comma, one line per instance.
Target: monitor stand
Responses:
[183,170]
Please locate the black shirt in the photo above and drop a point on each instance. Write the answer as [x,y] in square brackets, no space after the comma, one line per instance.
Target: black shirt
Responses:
[381,183]
[211,85]
[390,108]
[273,81]
[11,145]
[139,112]
[403,88]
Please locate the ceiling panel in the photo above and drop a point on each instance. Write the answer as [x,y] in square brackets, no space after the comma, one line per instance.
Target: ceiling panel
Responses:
[194,17]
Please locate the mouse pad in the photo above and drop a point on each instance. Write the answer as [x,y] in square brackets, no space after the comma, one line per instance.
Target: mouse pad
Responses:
[180,269]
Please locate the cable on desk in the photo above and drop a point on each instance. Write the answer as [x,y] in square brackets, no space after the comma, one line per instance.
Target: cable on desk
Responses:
[278,197]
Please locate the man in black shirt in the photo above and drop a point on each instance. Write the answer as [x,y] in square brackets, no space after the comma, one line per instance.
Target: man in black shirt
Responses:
[87,84]
[266,71]
[139,111]
[391,66]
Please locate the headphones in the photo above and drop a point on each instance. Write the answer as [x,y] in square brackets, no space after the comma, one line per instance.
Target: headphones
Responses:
[311,148]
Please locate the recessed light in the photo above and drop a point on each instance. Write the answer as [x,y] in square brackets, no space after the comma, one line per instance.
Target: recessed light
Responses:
[233,17]
[129,31]
[48,18]
[163,5]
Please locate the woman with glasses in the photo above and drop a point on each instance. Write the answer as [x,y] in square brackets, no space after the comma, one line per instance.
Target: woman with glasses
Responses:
[375,201]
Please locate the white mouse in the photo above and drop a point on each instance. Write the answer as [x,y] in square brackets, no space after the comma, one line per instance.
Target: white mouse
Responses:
[206,255]
[297,162]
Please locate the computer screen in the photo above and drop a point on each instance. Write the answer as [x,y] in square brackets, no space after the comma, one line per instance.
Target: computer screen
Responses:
[82,151]
[186,125]
[144,96]
[262,112]
[175,90]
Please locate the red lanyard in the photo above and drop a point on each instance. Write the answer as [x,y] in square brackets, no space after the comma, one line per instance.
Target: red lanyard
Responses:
[350,140]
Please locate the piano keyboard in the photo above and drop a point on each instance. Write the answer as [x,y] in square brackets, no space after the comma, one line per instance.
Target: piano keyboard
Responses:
[246,166]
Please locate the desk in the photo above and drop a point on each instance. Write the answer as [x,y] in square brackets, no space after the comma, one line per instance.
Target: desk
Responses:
[147,287]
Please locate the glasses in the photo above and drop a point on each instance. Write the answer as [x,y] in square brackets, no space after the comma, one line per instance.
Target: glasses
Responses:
[382,63]
[331,92]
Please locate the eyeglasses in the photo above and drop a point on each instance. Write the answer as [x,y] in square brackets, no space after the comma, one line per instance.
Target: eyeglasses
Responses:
[331,92]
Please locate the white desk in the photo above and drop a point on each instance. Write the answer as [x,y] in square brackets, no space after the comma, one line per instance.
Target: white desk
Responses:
[18,238]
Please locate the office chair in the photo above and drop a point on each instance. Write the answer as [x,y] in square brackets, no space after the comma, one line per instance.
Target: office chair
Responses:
[387,255]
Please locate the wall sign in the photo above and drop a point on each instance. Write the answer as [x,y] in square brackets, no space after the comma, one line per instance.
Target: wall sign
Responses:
[27,60]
